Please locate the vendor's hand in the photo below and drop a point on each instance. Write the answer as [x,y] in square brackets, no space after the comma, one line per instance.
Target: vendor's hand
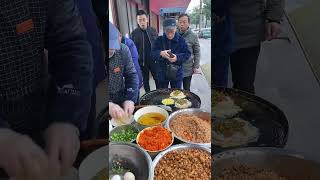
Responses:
[115,111]
[273,30]
[165,54]
[174,59]
[196,71]
[128,107]
[21,158]
[62,146]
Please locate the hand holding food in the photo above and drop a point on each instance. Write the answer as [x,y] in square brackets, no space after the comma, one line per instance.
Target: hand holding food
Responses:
[21,158]
[116,111]
[62,146]
[128,107]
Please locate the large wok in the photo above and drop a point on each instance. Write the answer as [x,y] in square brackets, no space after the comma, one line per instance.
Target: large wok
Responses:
[285,163]
[269,119]
[156,96]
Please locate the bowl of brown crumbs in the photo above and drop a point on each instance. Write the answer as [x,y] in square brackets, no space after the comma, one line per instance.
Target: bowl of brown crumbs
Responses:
[192,126]
[183,161]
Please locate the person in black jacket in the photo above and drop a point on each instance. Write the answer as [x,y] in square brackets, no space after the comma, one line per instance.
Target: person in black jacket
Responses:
[144,37]
[40,122]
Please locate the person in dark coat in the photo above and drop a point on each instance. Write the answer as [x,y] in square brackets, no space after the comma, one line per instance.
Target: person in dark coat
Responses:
[94,38]
[223,41]
[170,51]
[135,56]
[123,79]
[41,118]
[144,37]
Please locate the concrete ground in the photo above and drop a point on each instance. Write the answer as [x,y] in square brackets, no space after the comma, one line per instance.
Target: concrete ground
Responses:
[199,83]
[285,78]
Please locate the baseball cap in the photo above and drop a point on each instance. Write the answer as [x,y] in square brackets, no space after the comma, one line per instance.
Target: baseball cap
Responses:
[169,23]
[113,37]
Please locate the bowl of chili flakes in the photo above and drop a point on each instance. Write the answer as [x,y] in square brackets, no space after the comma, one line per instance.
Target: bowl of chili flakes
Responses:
[155,139]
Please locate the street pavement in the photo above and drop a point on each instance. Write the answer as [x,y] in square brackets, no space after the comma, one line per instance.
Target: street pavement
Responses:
[199,83]
[285,78]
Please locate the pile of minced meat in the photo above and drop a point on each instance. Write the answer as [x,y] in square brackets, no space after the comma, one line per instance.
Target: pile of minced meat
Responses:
[186,164]
[192,128]
[248,173]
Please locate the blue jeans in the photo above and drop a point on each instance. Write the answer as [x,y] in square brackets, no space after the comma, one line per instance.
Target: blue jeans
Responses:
[220,71]
[173,84]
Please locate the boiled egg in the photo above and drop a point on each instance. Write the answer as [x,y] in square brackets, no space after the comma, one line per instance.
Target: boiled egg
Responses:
[116,177]
[129,176]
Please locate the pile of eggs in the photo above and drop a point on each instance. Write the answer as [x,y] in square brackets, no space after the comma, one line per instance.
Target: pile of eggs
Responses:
[127,176]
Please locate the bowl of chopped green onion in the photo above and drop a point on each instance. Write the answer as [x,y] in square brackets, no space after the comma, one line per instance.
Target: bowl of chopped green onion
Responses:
[123,133]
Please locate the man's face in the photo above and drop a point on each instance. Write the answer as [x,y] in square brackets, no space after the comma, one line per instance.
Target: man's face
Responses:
[111,52]
[183,23]
[170,33]
[142,21]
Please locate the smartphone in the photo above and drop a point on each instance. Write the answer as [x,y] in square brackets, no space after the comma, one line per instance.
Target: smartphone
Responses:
[171,54]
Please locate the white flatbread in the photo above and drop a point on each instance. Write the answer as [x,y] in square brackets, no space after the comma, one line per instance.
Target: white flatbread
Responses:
[179,95]
[251,134]
[186,104]
[225,109]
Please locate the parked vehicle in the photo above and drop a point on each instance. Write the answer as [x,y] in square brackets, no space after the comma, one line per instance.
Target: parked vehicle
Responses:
[205,33]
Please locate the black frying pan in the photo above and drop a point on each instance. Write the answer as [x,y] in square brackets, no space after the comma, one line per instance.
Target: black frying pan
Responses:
[155,97]
[269,119]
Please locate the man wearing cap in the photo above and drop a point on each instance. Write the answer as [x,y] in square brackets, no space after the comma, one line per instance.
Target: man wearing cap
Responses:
[192,65]
[144,37]
[170,51]
[123,77]
[42,113]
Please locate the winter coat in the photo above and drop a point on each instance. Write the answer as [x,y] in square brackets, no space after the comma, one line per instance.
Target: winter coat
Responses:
[248,18]
[123,78]
[194,48]
[178,47]
[137,37]
[135,57]
[27,28]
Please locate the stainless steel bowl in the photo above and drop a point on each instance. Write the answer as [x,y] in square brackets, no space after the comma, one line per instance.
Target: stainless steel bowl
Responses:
[286,163]
[177,147]
[132,157]
[194,111]
[123,127]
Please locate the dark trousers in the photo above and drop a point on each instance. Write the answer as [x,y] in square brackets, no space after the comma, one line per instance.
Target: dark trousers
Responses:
[187,83]
[220,71]
[173,84]
[145,75]
[243,67]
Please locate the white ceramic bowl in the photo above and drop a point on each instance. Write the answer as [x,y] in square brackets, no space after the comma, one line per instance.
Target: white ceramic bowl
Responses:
[149,109]
[93,163]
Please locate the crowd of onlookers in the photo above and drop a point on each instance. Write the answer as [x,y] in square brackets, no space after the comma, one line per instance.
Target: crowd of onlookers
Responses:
[171,59]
